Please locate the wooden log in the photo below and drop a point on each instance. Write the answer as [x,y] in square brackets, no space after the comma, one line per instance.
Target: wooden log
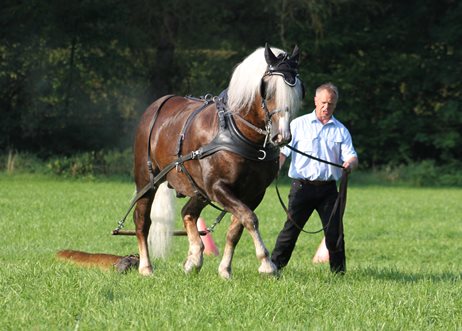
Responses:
[133,233]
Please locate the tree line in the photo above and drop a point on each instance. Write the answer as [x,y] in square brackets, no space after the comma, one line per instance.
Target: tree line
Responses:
[76,75]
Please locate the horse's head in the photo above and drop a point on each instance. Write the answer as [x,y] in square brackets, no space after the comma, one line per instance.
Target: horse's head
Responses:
[267,81]
[281,92]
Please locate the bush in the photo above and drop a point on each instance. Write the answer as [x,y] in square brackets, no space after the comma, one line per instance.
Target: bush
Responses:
[425,173]
[13,162]
[82,165]
[89,164]
[118,163]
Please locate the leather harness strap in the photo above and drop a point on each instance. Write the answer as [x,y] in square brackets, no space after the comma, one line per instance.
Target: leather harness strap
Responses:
[152,181]
[228,138]
[188,124]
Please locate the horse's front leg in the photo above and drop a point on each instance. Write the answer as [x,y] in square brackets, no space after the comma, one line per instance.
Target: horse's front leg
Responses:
[232,238]
[190,213]
[142,220]
[249,220]
[267,267]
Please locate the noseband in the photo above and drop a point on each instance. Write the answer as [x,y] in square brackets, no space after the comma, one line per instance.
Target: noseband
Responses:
[269,114]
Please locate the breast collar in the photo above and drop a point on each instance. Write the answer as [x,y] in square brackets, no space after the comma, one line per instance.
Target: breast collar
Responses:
[230,139]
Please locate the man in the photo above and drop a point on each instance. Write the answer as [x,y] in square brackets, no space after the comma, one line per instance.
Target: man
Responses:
[313,187]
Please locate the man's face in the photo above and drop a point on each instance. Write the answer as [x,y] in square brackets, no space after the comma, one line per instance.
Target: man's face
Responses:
[325,102]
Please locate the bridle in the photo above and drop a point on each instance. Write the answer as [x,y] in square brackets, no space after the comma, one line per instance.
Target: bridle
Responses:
[268,117]
[268,122]
[283,65]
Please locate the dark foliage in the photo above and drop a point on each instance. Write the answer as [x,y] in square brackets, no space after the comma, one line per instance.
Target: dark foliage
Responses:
[76,75]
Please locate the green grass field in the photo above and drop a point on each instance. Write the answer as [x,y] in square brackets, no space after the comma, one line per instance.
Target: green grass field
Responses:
[403,250]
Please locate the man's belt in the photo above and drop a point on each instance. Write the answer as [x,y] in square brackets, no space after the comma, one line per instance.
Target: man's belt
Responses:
[315,182]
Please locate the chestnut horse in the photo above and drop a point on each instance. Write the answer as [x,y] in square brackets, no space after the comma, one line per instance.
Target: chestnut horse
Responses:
[186,142]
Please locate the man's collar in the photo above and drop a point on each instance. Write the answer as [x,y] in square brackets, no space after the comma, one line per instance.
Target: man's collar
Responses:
[314,118]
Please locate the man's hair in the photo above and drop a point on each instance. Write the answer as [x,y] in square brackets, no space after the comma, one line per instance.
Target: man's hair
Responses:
[330,87]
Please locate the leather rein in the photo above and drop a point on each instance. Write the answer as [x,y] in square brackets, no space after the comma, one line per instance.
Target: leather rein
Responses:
[340,202]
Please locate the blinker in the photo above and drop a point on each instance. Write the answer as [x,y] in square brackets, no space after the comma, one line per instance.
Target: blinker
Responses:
[284,65]
[284,69]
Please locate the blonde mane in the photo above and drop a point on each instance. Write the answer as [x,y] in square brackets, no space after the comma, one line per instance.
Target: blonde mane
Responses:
[246,79]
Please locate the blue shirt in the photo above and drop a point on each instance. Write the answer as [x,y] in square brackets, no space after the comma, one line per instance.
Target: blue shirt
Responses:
[331,142]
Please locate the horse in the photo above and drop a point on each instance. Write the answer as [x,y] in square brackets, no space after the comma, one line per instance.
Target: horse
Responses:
[221,150]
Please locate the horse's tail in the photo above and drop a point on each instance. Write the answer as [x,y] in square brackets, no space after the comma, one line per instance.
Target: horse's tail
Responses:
[162,217]
[100,260]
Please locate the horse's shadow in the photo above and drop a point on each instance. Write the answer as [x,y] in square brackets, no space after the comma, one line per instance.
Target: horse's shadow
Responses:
[391,274]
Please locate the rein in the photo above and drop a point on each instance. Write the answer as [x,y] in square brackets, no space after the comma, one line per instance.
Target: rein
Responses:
[340,202]
[315,158]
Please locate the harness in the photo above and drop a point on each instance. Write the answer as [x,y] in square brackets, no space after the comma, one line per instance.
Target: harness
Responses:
[228,138]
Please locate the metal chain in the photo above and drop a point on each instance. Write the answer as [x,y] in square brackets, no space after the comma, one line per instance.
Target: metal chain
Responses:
[217,221]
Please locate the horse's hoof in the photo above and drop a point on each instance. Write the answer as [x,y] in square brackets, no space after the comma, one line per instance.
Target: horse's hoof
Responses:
[268,268]
[145,271]
[225,272]
[190,267]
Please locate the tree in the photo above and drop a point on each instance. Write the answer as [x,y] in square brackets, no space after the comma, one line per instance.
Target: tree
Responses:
[75,75]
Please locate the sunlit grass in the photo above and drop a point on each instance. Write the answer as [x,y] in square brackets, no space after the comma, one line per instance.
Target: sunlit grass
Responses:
[403,249]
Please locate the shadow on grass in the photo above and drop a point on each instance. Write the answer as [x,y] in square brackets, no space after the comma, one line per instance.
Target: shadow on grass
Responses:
[409,277]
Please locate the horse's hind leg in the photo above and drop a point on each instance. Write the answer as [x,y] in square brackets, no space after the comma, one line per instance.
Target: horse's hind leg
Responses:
[142,220]
[232,238]
[190,214]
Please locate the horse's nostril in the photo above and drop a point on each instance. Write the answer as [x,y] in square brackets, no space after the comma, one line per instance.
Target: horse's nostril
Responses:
[277,137]
[279,140]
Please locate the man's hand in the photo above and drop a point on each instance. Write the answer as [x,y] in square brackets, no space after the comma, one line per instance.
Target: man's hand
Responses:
[347,167]
[350,164]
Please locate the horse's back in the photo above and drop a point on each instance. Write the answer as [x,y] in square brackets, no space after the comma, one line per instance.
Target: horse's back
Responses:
[172,103]
[172,128]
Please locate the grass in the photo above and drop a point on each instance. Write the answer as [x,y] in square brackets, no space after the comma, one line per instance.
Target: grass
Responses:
[403,249]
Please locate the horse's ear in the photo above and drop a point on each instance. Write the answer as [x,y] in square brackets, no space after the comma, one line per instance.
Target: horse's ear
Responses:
[295,54]
[269,55]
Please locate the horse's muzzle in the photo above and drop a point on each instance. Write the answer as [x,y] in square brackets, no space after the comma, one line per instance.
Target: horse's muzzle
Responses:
[281,139]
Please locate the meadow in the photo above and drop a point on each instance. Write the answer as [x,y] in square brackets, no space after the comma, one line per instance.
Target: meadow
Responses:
[404,269]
